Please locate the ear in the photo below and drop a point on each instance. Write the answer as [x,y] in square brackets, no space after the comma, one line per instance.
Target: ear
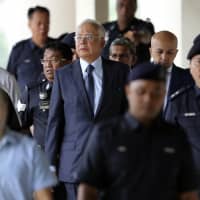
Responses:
[29,23]
[190,66]
[102,42]
[176,51]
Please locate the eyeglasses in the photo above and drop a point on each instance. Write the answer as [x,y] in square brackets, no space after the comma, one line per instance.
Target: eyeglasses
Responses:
[120,56]
[87,37]
[52,61]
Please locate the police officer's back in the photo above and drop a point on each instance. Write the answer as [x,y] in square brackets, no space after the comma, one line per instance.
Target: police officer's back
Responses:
[139,156]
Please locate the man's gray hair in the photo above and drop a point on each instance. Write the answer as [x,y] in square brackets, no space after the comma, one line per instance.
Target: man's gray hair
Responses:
[97,25]
[124,42]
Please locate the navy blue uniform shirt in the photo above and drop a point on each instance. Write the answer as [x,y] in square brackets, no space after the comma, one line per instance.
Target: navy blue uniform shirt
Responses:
[113,32]
[184,110]
[125,161]
[36,97]
[24,62]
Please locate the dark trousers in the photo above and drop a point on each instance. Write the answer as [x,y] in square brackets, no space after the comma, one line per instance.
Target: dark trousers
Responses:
[71,191]
[59,192]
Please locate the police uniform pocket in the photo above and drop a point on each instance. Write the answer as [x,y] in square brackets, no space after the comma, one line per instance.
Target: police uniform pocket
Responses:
[191,125]
[189,120]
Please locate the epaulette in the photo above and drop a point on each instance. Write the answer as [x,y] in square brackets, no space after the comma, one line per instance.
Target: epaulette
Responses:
[179,92]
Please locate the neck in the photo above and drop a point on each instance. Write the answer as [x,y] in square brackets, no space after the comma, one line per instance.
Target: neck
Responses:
[40,42]
[90,60]
[143,121]
[122,24]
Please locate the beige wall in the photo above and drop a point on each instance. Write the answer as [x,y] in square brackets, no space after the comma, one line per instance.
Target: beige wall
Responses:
[190,25]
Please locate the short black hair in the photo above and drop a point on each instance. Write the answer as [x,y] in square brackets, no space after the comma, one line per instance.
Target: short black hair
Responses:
[64,49]
[32,10]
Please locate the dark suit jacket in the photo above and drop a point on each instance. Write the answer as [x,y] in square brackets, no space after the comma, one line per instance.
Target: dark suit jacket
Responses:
[71,118]
[179,77]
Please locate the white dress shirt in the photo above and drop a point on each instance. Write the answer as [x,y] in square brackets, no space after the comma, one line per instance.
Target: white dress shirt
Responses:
[97,74]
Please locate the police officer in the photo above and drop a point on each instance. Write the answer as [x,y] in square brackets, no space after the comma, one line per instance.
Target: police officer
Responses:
[24,61]
[138,155]
[127,25]
[34,108]
[184,106]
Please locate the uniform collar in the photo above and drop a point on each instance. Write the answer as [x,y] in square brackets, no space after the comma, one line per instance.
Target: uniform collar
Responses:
[131,121]
[131,25]
[133,124]
[34,46]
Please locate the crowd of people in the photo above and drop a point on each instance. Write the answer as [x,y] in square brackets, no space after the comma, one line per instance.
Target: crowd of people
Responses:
[100,113]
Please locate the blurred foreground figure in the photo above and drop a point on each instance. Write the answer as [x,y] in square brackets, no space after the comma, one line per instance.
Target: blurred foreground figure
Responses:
[138,155]
[24,169]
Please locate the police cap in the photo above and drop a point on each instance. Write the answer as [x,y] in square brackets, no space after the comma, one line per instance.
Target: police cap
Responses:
[147,71]
[195,50]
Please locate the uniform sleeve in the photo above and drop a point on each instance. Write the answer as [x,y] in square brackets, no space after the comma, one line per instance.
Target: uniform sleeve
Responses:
[12,62]
[187,176]
[42,176]
[10,84]
[92,167]
[56,122]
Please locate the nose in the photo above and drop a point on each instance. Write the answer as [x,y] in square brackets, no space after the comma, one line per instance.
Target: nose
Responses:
[117,58]
[48,63]
[82,40]
[164,56]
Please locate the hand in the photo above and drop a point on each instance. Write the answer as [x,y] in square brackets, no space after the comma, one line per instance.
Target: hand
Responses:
[138,36]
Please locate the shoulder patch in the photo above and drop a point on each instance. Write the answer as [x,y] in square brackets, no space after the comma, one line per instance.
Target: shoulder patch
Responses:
[179,92]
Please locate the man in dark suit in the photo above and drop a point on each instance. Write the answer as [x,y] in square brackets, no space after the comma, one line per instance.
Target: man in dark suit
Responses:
[163,50]
[85,92]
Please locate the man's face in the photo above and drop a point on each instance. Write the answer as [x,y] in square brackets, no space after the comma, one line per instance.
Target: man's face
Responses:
[195,69]
[125,10]
[51,61]
[163,51]
[121,54]
[39,24]
[89,43]
[145,99]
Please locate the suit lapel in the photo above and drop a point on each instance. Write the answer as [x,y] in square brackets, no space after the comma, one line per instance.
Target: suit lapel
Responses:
[172,81]
[78,79]
[107,79]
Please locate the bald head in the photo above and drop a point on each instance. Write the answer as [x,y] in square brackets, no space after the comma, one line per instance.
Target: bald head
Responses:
[163,48]
[165,36]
